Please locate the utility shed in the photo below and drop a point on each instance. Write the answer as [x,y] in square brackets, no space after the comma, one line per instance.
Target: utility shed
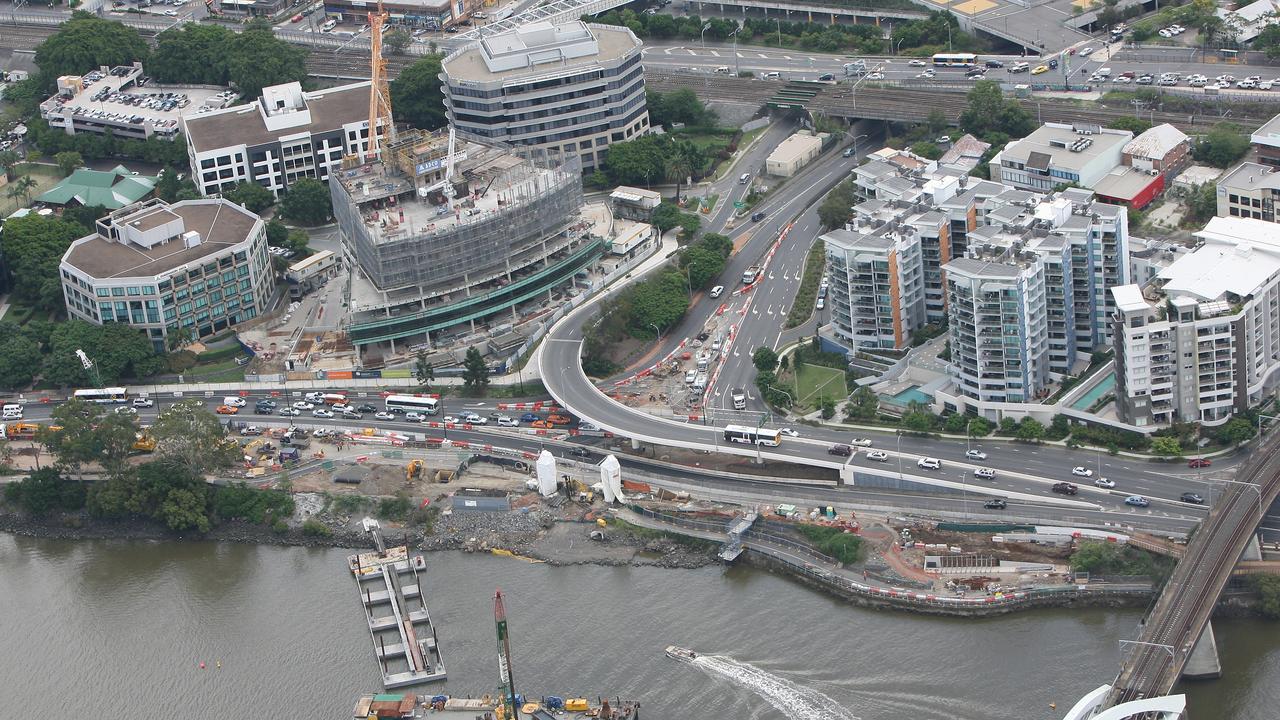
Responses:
[793,153]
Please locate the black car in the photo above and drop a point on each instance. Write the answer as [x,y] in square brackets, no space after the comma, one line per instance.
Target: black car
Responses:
[260,410]
[580,452]
[995,504]
[994,64]
[366,408]
[267,404]
[1193,498]
[1053,64]
[826,77]
[757,217]
[1065,488]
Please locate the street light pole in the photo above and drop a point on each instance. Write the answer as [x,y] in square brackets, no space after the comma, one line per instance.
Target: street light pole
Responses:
[968,445]
[657,330]
[736,69]
[704,33]
[779,22]
[899,459]
[760,424]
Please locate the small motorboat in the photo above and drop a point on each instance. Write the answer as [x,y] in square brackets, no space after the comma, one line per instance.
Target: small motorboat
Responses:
[676,652]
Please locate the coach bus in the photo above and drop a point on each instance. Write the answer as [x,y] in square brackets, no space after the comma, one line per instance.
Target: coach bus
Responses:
[416,403]
[752,436]
[965,60]
[102,395]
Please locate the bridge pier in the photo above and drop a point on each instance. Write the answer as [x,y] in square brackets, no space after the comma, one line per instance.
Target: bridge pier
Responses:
[1252,549]
[1203,663]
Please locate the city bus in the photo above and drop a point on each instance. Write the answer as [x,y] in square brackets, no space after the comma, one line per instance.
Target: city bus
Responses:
[965,60]
[416,403]
[102,395]
[752,436]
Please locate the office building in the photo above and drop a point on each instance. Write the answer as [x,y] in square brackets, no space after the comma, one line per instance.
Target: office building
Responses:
[1249,190]
[196,264]
[1202,341]
[569,89]
[1266,142]
[1058,154]
[278,138]
[439,255]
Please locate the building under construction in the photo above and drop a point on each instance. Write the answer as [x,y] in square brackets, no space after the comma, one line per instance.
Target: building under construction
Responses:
[449,236]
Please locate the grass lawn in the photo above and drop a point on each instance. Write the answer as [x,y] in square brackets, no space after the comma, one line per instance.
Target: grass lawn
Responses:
[816,381]
[223,371]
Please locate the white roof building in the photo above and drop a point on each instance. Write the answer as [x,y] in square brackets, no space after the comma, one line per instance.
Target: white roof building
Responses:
[1156,142]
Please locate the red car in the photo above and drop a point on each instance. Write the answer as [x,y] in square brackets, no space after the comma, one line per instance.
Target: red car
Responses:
[1199,463]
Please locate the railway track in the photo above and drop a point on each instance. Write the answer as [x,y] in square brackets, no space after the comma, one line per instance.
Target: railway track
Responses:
[1179,616]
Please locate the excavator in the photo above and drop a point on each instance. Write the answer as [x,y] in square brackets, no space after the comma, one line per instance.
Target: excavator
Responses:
[144,443]
[412,471]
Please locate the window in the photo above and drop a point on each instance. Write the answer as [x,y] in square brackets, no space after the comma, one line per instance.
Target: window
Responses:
[135,291]
[117,292]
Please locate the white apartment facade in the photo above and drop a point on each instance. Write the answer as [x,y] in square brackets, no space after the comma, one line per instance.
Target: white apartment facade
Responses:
[572,88]
[281,137]
[1202,342]
[1057,154]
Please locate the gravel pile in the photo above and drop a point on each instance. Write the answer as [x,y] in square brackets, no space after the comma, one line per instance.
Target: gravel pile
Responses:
[482,530]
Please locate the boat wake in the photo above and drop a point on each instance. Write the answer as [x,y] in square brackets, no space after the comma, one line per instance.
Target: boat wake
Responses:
[794,701]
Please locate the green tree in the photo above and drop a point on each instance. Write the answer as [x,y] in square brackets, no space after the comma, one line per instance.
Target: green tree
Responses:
[1202,202]
[86,42]
[1166,446]
[677,168]
[764,358]
[1030,430]
[828,407]
[190,437]
[423,370]
[21,188]
[1238,430]
[416,95]
[720,244]
[74,444]
[865,405]
[168,185]
[917,418]
[251,196]
[114,436]
[307,202]
[1268,589]
[639,161]
[1221,147]
[9,160]
[45,491]
[396,41]
[192,53]
[475,373]
[117,351]
[986,110]
[184,509]
[936,121]
[277,233]
[33,248]
[666,216]
[678,106]
[68,161]
[979,427]
[1137,126]
[837,207]
[927,149]
[702,265]
[256,58]
[297,241]
[18,354]
[660,302]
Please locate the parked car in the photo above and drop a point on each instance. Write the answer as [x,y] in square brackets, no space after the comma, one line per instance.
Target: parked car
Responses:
[975,455]
[1081,471]
[995,504]
[1190,497]
[1199,463]
[1105,483]
[1065,488]
[878,456]
[1137,501]
[984,473]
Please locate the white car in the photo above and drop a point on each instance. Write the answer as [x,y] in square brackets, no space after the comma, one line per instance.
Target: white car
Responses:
[303,405]
[412,416]
[450,420]
[875,76]
[474,419]
[984,473]
[143,402]
[975,455]
[384,415]
[878,456]
[233,401]
[290,412]
[505,421]
[1085,52]
[860,442]
[1105,483]
[339,407]
[171,13]
[126,410]
[716,292]
[322,413]
[351,414]
[929,463]
[917,63]
[788,432]
[1081,472]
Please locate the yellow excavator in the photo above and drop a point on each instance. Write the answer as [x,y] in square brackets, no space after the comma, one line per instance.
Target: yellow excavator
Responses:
[144,443]
[412,471]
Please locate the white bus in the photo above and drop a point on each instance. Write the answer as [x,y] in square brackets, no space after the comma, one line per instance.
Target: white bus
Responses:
[416,403]
[752,436]
[955,60]
[102,395]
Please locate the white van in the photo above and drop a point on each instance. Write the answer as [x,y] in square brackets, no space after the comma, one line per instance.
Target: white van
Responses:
[233,401]
[723,70]
[746,178]
[12,411]
[770,75]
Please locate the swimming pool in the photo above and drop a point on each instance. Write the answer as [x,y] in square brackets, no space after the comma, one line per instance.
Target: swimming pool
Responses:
[1086,401]
[910,395]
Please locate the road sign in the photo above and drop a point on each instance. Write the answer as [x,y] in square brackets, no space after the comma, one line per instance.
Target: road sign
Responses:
[738,204]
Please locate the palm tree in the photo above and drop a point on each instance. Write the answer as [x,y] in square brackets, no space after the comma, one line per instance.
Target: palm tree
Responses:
[9,161]
[22,187]
[677,167]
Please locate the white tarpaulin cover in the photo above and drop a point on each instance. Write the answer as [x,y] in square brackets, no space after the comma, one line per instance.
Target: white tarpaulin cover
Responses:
[546,474]
[611,479]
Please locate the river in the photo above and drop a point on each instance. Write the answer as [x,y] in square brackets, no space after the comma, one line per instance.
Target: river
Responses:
[117,629]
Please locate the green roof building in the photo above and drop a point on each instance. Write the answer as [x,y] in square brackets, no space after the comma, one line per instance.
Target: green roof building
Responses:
[112,189]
